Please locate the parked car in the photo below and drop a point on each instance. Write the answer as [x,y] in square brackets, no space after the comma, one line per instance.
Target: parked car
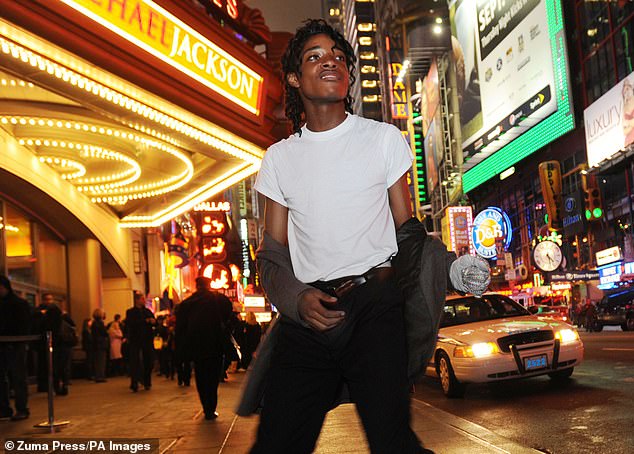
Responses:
[493,338]
[616,309]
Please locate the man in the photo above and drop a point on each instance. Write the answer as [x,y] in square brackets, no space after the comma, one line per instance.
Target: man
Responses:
[14,321]
[336,191]
[51,320]
[139,330]
[200,322]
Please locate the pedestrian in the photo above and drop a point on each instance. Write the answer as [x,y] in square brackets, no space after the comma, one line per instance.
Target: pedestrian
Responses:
[116,338]
[591,316]
[15,319]
[199,323]
[86,346]
[181,358]
[139,330]
[100,344]
[336,192]
[252,335]
[52,320]
[63,350]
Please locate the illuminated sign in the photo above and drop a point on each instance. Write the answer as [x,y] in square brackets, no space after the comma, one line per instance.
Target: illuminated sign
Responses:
[550,180]
[490,224]
[460,226]
[254,301]
[608,121]
[213,206]
[610,274]
[609,255]
[513,90]
[155,30]
[219,275]
[399,94]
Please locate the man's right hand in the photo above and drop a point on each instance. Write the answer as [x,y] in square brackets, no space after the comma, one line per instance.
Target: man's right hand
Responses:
[312,308]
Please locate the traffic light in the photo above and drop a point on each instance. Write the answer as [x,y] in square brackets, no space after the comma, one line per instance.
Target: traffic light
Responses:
[592,200]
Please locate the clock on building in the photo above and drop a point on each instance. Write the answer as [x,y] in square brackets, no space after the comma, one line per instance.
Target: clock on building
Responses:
[547,256]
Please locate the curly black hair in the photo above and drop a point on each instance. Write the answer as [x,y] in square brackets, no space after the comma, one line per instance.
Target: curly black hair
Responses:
[291,62]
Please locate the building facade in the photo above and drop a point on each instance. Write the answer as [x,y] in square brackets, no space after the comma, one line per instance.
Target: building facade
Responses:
[115,119]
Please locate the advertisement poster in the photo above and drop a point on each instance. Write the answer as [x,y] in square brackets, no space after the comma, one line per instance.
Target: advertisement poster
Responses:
[460,227]
[511,73]
[610,122]
[432,152]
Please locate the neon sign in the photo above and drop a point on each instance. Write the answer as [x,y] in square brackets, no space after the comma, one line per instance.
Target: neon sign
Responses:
[213,206]
[490,224]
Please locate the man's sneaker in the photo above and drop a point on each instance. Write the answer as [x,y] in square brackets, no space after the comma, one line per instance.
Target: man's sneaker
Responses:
[20,415]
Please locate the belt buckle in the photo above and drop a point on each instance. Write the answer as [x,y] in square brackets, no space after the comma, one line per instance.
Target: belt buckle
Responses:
[348,285]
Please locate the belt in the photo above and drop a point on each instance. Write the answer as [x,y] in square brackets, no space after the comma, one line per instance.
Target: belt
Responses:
[343,285]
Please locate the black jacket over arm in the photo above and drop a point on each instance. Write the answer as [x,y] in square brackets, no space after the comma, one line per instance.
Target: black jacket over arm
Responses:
[422,266]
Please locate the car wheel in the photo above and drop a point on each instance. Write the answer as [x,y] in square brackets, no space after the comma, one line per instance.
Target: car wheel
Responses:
[450,384]
[561,375]
[596,326]
[629,324]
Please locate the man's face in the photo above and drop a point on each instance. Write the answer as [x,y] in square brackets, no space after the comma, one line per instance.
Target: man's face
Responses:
[48,299]
[323,75]
[139,301]
[3,291]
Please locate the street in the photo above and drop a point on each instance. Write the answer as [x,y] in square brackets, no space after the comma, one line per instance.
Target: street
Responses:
[592,413]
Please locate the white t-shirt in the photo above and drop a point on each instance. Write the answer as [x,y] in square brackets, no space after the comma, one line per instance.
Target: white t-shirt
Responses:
[334,184]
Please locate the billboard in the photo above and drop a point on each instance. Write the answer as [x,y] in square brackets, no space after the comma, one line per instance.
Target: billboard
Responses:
[610,122]
[512,78]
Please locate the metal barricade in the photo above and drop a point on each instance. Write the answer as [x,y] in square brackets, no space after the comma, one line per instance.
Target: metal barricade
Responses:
[48,338]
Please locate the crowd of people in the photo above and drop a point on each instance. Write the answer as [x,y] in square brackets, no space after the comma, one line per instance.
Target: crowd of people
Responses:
[202,331]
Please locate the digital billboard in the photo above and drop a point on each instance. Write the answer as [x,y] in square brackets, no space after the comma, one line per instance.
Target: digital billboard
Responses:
[512,77]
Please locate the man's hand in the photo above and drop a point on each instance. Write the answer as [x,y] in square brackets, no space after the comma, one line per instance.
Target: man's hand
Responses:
[312,309]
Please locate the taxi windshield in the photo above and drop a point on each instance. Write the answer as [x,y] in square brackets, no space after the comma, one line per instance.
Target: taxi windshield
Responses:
[471,309]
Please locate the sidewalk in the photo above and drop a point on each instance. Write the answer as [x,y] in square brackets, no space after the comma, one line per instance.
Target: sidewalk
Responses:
[172,414]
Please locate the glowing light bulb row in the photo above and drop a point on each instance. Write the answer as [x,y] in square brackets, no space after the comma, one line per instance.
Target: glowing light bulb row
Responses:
[15,83]
[96,129]
[122,198]
[70,169]
[110,95]
[131,174]
[148,189]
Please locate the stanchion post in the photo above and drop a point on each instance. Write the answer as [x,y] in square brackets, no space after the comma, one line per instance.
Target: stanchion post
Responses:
[49,356]
[51,424]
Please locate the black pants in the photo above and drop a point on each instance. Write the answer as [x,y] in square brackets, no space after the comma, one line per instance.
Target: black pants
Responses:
[61,366]
[206,370]
[183,368]
[141,362]
[308,370]
[13,375]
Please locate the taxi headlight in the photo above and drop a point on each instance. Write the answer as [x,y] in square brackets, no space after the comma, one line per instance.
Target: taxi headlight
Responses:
[567,335]
[479,350]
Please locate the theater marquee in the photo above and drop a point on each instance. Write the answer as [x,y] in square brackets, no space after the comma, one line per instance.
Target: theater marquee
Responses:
[149,26]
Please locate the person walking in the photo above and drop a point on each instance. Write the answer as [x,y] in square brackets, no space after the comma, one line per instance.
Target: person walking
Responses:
[15,319]
[100,343]
[199,322]
[336,194]
[115,334]
[252,335]
[181,357]
[139,331]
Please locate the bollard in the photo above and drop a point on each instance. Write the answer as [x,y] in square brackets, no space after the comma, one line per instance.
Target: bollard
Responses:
[51,424]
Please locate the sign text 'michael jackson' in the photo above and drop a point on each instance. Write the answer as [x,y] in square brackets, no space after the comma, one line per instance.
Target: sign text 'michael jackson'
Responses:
[154,29]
